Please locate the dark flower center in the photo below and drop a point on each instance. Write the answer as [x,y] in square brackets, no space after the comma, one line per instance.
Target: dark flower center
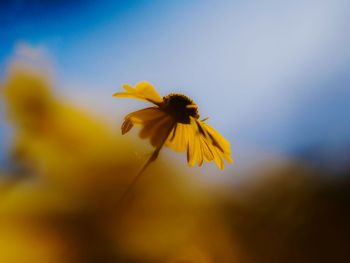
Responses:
[180,107]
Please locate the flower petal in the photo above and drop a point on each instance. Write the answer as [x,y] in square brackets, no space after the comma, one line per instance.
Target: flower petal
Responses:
[143,116]
[155,124]
[217,157]
[140,117]
[127,125]
[213,145]
[178,139]
[143,91]
[217,139]
[192,146]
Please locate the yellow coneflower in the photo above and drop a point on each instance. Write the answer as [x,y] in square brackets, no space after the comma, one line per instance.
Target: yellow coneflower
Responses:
[174,122]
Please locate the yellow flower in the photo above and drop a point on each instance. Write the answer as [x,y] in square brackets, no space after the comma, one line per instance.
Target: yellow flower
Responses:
[174,122]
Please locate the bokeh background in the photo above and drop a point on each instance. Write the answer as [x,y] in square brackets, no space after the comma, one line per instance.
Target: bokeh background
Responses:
[271,76]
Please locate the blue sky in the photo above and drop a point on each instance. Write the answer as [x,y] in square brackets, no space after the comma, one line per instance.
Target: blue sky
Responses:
[271,75]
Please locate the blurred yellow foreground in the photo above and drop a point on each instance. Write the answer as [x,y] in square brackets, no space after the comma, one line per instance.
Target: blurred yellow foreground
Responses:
[59,198]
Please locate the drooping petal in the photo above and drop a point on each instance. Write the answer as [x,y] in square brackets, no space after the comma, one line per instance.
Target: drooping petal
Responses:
[201,143]
[192,147]
[158,131]
[140,117]
[178,139]
[127,125]
[199,150]
[143,91]
[228,158]
[206,150]
[217,139]
[217,157]
[143,116]
[213,145]
[162,131]
[149,127]
[156,125]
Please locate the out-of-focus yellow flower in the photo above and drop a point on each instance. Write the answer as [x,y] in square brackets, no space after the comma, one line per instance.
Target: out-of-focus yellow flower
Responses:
[174,122]
[57,140]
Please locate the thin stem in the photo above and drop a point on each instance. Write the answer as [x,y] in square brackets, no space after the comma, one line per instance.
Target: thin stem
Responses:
[151,159]
[135,179]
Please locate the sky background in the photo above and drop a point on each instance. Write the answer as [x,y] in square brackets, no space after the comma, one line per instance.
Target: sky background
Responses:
[273,76]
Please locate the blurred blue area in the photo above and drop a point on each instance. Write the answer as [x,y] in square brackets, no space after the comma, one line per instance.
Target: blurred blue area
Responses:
[270,75]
